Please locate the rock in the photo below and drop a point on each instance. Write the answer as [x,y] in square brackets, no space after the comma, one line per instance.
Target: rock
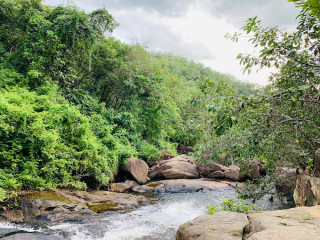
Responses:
[291,224]
[253,168]
[46,207]
[183,185]
[123,187]
[216,174]
[207,169]
[138,169]
[165,155]
[179,167]
[220,226]
[285,172]
[14,215]
[8,231]
[104,200]
[233,173]
[307,191]
[31,236]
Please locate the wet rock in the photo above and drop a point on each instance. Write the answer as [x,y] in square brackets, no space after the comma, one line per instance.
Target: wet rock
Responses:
[138,169]
[183,185]
[8,231]
[13,215]
[31,236]
[179,167]
[220,226]
[307,191]
[123,186]
[43,208]
[104,199]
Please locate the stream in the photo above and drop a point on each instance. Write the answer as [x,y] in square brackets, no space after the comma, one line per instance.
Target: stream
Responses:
[153,222]
[158,221]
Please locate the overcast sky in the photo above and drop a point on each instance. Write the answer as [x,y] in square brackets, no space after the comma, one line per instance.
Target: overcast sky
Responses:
[194,28]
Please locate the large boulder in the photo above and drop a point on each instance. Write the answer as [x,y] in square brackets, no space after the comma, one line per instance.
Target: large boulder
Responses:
[210,169]
[233,173]
[183,185]
[253,168]
[307,191]
[138,169]
[220,226]
[292,224]
[179,167]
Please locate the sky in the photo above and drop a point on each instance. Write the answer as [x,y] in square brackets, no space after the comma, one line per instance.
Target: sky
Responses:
[194,29]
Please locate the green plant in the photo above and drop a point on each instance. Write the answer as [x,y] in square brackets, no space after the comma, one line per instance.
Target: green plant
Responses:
[238,205]
[211,210]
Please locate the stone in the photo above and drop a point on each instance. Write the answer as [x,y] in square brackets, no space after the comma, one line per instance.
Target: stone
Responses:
[14,216]
[253,168]
[220,226]
[138,169]
[46,207]
[206,169]
[165,155]
[292,224]
[179,167]
[233,173]
[216,174]
[307,191]
[123,186]
[183,185]
[284,172]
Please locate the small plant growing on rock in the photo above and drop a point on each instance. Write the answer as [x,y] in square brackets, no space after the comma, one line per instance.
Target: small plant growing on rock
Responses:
[238,205]
[231,205]
[211,210]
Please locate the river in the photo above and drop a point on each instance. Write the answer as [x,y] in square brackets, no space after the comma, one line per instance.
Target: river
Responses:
[158,221]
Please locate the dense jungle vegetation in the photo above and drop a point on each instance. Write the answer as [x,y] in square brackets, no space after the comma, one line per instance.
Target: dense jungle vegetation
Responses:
[75,104]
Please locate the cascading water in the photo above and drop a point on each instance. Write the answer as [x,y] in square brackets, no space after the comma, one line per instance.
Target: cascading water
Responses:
[152,222]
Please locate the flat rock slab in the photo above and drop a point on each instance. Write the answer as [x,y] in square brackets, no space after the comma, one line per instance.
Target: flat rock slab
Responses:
[300,223]
[116,201]
[184,185]
[220,226]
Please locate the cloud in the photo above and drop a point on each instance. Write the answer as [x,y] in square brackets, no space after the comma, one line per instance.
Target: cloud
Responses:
[272,12]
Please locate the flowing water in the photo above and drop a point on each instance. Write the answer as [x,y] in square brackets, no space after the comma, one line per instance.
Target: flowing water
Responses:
[152,222]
